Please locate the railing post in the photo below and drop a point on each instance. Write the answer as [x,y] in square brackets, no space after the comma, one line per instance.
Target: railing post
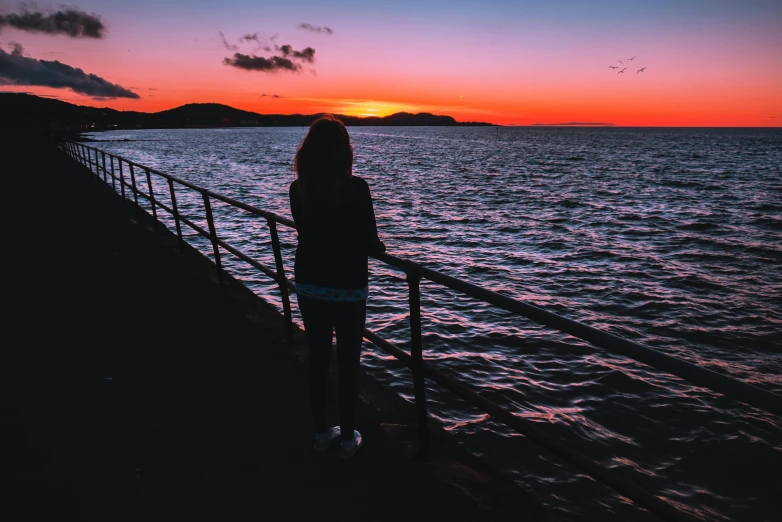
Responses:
[282,281]
[176,215]
[113,176]
[133,186]
[80,152]
[416,352]
[213,236]
[87,160]
[121,180]
[151,198]
[97,167]
[103,158]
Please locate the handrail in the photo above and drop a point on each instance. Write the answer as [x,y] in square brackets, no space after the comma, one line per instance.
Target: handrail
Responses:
[732,388]
[700,376]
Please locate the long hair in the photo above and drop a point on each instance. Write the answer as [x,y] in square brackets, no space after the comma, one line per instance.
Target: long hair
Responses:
[323,165]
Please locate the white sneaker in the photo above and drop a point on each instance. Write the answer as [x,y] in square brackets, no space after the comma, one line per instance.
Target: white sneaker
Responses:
[347,448]
[327,439]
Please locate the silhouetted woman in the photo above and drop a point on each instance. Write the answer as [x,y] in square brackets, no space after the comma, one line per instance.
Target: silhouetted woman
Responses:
[337,231]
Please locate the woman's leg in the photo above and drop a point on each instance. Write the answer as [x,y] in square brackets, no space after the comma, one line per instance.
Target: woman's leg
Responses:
[319,329]
[349,323]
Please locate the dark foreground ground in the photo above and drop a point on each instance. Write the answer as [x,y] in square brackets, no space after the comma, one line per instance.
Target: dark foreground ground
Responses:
[134,387]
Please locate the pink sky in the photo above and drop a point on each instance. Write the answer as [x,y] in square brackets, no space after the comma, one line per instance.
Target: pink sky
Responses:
[708,63]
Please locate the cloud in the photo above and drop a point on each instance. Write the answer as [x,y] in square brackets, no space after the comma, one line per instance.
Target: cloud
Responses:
[228,46]
[271,95]
[67,21]
[307,55]
[151,89]
[268,44]
[287,58]
[316,29]
[17,69]
[261,41]
[259,63]
[16,48]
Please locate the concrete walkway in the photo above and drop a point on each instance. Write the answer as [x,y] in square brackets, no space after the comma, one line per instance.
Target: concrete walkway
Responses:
[137,388]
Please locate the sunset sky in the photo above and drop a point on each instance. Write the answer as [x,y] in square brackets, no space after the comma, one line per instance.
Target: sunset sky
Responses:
[709,62]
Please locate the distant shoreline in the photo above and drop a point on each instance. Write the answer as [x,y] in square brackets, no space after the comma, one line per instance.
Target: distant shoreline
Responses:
[19,109]
[281,126]
[80,134]
[29,111]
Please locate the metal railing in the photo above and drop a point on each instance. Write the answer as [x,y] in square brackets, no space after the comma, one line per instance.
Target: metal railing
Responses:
[722,384]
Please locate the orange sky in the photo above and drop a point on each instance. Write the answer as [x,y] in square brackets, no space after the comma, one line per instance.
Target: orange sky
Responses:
[714,63]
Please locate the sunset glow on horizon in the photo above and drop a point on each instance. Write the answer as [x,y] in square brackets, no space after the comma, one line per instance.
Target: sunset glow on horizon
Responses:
[708,63]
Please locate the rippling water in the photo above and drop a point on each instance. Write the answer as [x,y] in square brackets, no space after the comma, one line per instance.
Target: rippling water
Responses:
[669,237]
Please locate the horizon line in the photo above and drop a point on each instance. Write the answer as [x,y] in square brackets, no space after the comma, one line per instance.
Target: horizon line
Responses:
[537,124]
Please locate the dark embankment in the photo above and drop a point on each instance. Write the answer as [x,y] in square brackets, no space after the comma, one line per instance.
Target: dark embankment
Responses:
[134,387]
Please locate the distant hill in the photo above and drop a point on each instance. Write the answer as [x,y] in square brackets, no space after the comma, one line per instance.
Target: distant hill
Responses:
[18,109]
[203,113]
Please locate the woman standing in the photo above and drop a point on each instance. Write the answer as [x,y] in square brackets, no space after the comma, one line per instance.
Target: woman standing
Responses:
[337,231]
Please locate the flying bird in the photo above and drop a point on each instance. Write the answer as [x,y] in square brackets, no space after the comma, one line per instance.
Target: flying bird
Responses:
[613,67]
[620,61]
[633,58]
[642,69]
[623,70]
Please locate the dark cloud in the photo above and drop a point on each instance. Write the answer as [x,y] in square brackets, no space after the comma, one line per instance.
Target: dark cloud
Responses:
[228,46]
[17,69]
[151,89]
[259,63]
[316,29]
[286,59]
[271,95]
[16,48]
[260,40]
[68,21]
[307,55]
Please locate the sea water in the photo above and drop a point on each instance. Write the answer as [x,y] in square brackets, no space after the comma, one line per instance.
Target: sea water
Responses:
[668,237]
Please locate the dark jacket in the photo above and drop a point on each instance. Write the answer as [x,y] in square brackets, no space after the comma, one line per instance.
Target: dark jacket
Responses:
[333,252]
